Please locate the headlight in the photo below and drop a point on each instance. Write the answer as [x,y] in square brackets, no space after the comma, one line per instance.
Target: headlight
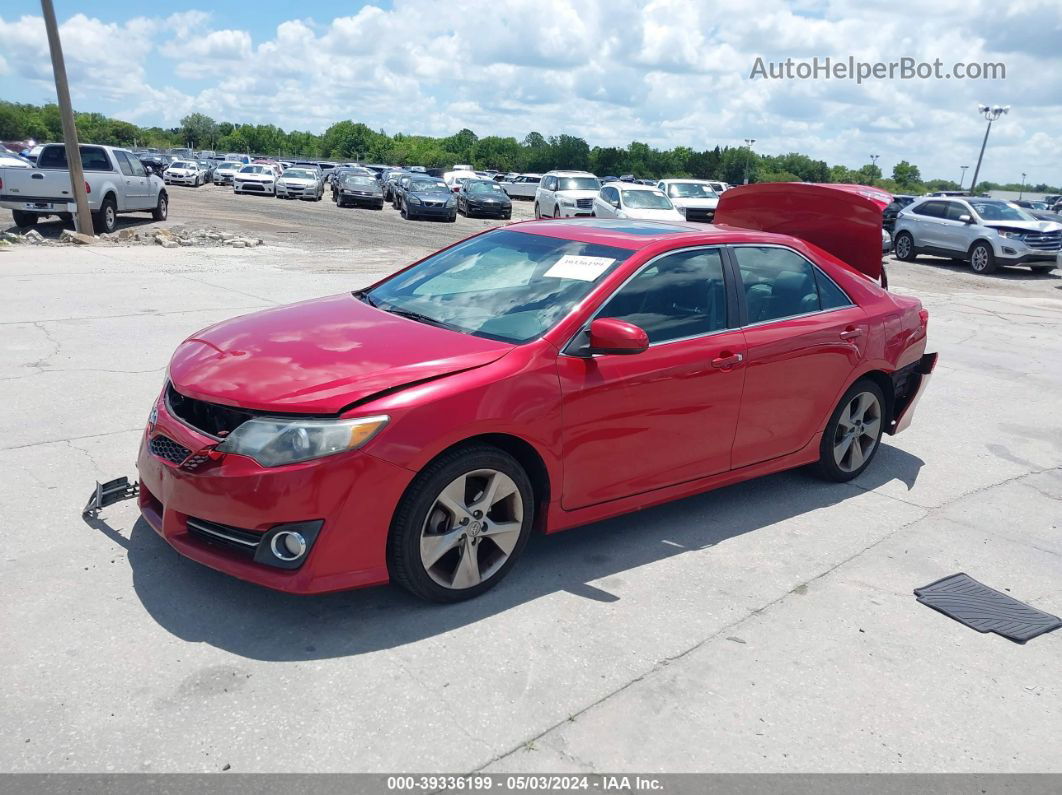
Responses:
[451,201]
[412,199]
[567,202]
[682,211]
[1012,235]
[274,442]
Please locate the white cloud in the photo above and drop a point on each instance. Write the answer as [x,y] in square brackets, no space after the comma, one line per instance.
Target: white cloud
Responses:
[667,72]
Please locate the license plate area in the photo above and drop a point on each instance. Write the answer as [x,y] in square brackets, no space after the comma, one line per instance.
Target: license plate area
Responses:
[38,205]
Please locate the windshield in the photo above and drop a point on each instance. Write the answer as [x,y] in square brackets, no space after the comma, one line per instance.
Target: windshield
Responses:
[299,173]
[229,164]
[358,179]
[483,187]
[254,170]
[502,285]
[577,183]
[428,184]
[646,200]
[998,211]
[690,190]
[182,164]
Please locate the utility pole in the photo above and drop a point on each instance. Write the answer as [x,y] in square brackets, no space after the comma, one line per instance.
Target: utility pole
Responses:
[873,165]
[66,113]
[748,142]
[1021,191]
[991,113]
[962,176]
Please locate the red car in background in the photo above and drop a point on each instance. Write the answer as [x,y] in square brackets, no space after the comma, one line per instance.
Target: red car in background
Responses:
[533,377]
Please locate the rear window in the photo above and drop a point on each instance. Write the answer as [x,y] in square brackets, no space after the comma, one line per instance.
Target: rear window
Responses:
[93,158]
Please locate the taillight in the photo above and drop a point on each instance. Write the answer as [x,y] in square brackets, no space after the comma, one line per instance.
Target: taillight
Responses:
[923,315]
[1,183]
[88,188]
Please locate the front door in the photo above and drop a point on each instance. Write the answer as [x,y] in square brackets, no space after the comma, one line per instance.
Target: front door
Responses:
[805,337]
[641,422]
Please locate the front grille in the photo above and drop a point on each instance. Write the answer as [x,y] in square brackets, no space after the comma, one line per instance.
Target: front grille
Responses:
[168,450]
[212,419]
[1043,241]
[223,535]
[584,204]
[699,214]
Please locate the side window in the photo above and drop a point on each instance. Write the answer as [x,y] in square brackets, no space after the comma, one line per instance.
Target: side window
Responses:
[677,296]
[830,295]
[777,283]
[551,183]
[955,209]
[95,159]
[123,163]
[931,209]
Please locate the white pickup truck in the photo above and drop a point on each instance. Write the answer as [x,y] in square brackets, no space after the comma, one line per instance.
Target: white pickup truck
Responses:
[115,179]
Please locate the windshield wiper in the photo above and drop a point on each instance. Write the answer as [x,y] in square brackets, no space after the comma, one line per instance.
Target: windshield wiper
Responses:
[361,295]
[431,321]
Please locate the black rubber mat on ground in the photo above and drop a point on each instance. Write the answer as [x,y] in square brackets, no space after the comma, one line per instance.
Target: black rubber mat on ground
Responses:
[985,609]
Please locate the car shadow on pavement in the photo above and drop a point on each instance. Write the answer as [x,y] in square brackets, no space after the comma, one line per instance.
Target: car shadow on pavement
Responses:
[198,604]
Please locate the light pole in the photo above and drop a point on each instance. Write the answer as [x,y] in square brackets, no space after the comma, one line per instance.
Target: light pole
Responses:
[962,176]
[748,142]
[873,165]
[1021,191]
[991,113]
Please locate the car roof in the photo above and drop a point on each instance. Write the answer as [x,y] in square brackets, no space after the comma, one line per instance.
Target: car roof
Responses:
[632,234]
[689,179]
[634,186]
[568,173]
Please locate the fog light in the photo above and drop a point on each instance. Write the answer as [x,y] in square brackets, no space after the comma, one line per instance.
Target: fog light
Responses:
[288,545]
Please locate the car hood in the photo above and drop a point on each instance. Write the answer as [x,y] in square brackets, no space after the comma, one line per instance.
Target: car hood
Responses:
[576,194]
[254,177]
[442,195]
[319,356]
[1024,226]
[297,181]
[488,197]
[693,202]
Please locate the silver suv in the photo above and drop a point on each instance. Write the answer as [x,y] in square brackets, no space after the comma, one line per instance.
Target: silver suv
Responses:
[566,194]
[987,233]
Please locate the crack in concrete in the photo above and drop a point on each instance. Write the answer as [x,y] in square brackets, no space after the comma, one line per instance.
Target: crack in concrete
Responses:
[729,628]
[135,314]
[69,439]
[56,347]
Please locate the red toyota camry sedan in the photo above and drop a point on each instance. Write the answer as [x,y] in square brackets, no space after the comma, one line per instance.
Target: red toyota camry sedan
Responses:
[538,376]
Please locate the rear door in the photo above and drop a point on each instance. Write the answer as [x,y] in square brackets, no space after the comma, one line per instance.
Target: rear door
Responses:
[645,421]
[928,227]
[805,337]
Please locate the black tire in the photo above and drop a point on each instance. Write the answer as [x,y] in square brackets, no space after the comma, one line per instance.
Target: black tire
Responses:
[982,258]
[536,211]
[827,466]
[507,216]
[379,206]
[453,217]
[66,218]
[105,220]
[556,211]
[162,208]
[24,220]
[403,213]
[404,540]
[903,248]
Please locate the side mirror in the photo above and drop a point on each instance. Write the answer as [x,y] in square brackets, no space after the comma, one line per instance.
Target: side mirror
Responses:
[612,335]
[966,219]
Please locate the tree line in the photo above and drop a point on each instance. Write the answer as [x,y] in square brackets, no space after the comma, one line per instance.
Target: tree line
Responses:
[350,140]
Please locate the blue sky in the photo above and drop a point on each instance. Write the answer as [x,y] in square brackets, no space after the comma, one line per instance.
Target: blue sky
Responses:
[667,72]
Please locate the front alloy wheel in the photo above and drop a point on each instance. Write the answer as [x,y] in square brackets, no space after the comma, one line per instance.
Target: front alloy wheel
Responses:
[982,258]
[461,525]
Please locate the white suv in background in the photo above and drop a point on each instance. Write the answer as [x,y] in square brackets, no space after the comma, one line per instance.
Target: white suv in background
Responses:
[694,198]
[987,233]
[633,200]
[566,194]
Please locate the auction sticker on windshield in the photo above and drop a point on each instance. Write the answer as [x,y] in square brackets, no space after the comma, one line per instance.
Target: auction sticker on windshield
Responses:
[585,269]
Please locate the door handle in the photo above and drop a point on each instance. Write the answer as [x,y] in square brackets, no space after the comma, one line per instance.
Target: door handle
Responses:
[851,333]
[727,360]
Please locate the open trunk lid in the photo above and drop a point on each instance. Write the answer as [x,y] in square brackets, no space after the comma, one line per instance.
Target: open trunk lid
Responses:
[844,220]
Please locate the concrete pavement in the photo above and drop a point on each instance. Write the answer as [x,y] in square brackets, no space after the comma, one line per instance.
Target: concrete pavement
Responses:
[769,626]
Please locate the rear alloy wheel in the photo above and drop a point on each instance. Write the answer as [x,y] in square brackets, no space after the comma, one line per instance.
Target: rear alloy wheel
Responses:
[853,433]
[162,208]
[106,219]
[903,247]
[462,525]
[982,258]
